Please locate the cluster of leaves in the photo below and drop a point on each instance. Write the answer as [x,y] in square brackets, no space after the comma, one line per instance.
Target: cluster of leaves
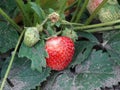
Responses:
[95,64]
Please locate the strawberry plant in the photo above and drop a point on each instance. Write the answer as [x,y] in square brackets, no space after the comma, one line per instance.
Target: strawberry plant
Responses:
[59,44]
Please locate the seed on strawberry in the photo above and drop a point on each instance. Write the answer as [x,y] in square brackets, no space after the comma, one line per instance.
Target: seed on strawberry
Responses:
[60,52]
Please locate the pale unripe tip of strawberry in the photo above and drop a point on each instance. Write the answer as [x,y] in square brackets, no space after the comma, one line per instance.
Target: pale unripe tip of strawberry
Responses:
[60,52]
[70,33]
[31,36]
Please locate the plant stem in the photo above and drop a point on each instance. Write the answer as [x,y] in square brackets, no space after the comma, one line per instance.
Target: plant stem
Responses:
[44,21]
[97,25]
[95,12]
[11,61]
[76,11]
[39,27]
[70,23]
[10,20]
[26,18]
[117,27]
[81,10]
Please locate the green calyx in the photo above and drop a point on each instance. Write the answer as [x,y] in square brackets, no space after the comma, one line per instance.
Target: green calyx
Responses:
[31,36]
[70,33]
[110,12]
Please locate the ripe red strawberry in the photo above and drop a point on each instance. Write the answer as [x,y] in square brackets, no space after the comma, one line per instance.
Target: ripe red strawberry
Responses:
[60,52]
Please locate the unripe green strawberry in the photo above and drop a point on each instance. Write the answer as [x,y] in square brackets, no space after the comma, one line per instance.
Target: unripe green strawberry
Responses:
[31,36]
[109,13]
[70,33]
[60,52]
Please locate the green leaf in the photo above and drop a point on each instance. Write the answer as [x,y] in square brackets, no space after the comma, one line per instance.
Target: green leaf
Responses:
[92,74]
[8,37]
[9,7]
[113,47]
[109,34]
[38,10]
[83,48]
[88,36]
[36,54]
[22,77]
[82,52]
[99,62]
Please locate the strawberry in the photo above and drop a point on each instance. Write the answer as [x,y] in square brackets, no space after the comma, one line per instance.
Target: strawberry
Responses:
[93,4]
[60,52]
[109,12]
[31,36]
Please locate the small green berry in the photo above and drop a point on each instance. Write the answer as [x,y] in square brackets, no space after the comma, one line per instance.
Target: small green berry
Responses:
[31,36]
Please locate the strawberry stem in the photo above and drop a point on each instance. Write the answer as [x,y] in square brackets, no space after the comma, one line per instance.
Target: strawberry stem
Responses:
[76,11]
[11,61]
[44,22]
[97,25]
[81,10]
[64,22]
[117,27]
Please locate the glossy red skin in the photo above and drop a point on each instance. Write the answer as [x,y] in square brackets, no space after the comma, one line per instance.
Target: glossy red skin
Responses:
[60,52]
